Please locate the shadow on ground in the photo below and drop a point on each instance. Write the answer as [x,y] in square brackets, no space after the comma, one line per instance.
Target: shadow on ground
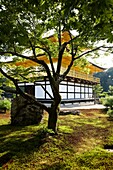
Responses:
[14,143]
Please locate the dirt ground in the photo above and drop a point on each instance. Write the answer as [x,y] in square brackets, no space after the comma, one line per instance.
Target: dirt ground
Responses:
[5,115]
[86,111]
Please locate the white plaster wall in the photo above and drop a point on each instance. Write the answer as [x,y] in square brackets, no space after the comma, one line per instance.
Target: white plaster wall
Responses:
[63,95]
[70,95]
[70,83]
[70,88]
[82,89]
[90,90]
[63,88]
[21,84]
[77,89]
[64,82]
[82,96]
[39,92]
[86,89]
[86,96]
[77,95]
[48,88]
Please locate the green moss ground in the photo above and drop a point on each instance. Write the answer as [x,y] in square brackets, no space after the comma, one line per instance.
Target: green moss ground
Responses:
[79,144]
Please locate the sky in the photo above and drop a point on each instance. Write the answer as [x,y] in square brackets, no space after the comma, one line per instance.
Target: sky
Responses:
[103,61]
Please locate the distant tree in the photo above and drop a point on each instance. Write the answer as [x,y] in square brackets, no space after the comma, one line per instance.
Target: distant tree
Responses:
[106,78]
[22,28]
[110,91]
[97,89]
[107,100]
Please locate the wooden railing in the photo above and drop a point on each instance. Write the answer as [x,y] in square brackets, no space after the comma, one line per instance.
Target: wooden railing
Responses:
[83,76]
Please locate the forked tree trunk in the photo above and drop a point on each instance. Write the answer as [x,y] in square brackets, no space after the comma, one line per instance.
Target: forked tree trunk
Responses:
[53,117]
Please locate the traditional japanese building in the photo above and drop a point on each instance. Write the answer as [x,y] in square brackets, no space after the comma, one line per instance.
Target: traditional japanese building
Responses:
[77,86]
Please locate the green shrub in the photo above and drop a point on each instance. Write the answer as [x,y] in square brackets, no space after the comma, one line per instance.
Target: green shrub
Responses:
[110,113]
[107,101]
[104,94]
[5,104]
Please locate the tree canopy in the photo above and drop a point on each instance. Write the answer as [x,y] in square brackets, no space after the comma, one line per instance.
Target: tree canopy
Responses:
[23,25]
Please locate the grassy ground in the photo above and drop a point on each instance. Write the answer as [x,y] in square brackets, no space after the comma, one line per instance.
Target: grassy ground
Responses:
[80,144]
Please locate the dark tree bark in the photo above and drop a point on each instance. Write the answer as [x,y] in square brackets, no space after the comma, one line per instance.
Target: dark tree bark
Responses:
[55,107]
[53,117]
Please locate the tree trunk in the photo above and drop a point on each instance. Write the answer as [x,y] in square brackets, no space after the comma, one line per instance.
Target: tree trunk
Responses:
[53,117]
[55,106]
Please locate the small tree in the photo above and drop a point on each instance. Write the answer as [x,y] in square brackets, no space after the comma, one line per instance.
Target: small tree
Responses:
[97,90]
[110,91]
[5,104]
[107,101]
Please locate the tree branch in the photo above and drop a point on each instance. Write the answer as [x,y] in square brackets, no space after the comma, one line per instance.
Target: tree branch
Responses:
[50,59]
[59,34]
[71,63]
[41,62]
[26,33]
[14,54]
[60,55]
[87,52]
[25,95]
[61,51]
[19,55]
[46,91]
[23,76]
[69,66]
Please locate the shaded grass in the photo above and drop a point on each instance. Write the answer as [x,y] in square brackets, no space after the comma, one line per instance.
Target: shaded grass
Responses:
[78,146]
